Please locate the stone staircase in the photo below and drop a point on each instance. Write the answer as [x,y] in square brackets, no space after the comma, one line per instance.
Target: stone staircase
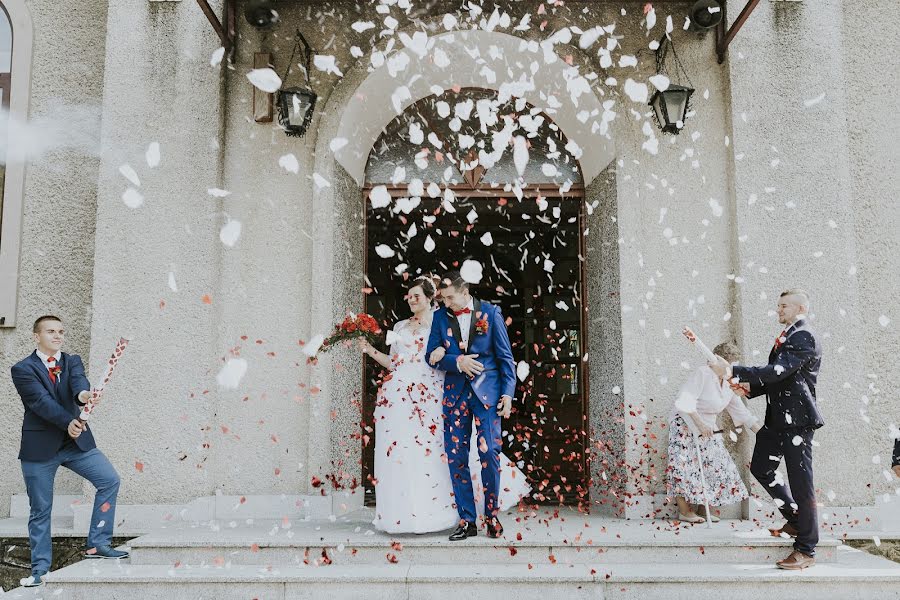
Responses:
[542,555]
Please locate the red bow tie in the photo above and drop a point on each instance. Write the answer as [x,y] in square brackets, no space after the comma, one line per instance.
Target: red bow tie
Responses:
[464,311]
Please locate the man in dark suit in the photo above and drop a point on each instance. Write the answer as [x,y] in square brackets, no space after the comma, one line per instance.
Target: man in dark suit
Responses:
[53,388]
[792,416]
[895,461]
[480,384]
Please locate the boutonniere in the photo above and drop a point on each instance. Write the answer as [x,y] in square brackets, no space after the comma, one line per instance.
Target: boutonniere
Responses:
[56,370]
[481,326]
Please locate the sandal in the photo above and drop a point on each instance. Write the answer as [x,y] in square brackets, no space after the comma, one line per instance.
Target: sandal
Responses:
[695,519]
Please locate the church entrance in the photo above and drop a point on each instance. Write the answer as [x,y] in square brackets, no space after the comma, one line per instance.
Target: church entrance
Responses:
[446,183]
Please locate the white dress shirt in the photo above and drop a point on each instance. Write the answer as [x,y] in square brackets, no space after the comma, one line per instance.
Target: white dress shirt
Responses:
[704,394]
[465,321]
[44,358]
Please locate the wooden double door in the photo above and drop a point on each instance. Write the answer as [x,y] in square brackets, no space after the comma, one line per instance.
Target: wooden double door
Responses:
[533,269]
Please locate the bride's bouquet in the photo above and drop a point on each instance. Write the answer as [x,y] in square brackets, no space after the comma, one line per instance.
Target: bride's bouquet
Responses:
[352,327]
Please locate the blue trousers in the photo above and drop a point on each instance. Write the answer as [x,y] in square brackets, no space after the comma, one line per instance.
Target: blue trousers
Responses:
[458,417]
[39,477]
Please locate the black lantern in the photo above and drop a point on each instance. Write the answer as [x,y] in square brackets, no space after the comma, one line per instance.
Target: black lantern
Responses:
[296,104]
[670,106]
[295,110]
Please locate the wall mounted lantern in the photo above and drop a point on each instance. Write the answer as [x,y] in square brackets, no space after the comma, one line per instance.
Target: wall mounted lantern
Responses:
[670,106]
[296,104]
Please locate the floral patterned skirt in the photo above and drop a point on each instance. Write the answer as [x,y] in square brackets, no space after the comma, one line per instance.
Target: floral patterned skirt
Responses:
[723,482]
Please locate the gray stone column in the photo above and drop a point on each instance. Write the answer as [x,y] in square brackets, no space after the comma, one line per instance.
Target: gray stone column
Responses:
[794,216]
[159,87]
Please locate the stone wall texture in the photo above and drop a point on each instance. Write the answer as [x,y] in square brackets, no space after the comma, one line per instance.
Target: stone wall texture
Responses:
[783,176]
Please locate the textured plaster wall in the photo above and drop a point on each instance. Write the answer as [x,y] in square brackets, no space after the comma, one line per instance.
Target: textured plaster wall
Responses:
[871,49]
[60,203]
[797,221]
[696,229]
[157,266]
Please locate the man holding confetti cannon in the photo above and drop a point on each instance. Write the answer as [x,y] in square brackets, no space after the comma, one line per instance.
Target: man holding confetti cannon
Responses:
[57,399]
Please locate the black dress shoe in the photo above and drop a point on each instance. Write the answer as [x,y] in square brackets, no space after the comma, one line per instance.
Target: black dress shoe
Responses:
[494,528]
[463,530]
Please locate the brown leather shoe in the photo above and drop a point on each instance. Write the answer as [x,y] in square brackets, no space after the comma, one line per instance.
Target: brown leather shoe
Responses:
[786,529]
[796,561]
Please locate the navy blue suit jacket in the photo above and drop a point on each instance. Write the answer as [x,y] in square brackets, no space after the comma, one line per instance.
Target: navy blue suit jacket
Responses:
[493,350]
[789,380]
[50,408]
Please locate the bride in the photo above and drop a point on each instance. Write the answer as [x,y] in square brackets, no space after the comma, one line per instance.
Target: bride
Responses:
[413,492]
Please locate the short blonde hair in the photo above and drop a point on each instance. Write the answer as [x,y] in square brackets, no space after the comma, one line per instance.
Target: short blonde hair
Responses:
[802,294]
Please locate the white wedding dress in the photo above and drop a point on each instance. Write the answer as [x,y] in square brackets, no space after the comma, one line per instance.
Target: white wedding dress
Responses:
[412,481]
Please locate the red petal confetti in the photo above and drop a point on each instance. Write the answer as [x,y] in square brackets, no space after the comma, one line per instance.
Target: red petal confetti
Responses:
[206,299]
[139,466]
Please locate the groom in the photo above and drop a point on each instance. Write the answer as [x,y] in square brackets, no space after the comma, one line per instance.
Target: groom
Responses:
[480,383]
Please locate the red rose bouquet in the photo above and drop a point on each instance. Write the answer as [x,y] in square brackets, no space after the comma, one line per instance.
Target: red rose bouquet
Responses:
[352,327]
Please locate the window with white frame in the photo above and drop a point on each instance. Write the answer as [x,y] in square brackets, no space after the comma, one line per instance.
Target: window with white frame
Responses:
[15,74]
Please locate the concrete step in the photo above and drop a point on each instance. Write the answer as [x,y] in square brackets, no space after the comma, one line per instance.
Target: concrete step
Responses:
[63,505]
[855,575]
[570,542]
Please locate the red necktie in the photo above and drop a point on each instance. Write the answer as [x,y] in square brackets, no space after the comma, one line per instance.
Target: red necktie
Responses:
[464,311]
[778,339]
[52,360]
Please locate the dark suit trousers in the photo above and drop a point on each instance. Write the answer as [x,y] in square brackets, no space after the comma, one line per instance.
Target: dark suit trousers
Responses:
[796,498]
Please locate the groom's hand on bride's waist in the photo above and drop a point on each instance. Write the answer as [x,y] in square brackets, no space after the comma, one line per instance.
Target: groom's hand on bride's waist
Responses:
[467,364]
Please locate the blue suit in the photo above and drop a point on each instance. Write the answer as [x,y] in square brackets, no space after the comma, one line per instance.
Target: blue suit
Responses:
[49,408]
[465,399]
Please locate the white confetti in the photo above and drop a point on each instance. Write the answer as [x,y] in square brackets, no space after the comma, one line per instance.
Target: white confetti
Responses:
[337,143]
[522,370]
[361,26]
[326,63]
[132,198]
[616,390]
[289,163]
[311,347]
[384,251]
[471,271]
[266,80]
[152,155]
[636,91]
[380,197]
[230,232]
[320,181]
[884,321]
[218,193]
[216,59]
[814,101]
[429,244]
[660,82]
[172,284]
[797,440]
[231,373]
[129,173]
[487,239]
[520,154]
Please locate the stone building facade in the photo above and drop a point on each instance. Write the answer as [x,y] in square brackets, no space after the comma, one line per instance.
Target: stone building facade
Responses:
[782,177]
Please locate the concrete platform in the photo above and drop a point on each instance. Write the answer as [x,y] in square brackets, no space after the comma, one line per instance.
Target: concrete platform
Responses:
[855,575]
[566,537]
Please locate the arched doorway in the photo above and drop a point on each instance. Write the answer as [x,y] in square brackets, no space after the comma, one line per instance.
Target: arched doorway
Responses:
[470,174]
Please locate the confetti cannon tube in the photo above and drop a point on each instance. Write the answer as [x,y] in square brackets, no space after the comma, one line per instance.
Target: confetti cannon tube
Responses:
[97,392]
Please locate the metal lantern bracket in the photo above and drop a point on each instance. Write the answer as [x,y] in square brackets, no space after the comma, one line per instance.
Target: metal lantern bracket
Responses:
[227,33]
[724,36]
[662,52]
[307,51]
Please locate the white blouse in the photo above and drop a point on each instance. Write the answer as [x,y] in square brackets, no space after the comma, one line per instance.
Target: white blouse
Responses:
[704,394]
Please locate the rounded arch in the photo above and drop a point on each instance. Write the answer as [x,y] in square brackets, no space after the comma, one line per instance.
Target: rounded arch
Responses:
[12,201]
[470,59]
